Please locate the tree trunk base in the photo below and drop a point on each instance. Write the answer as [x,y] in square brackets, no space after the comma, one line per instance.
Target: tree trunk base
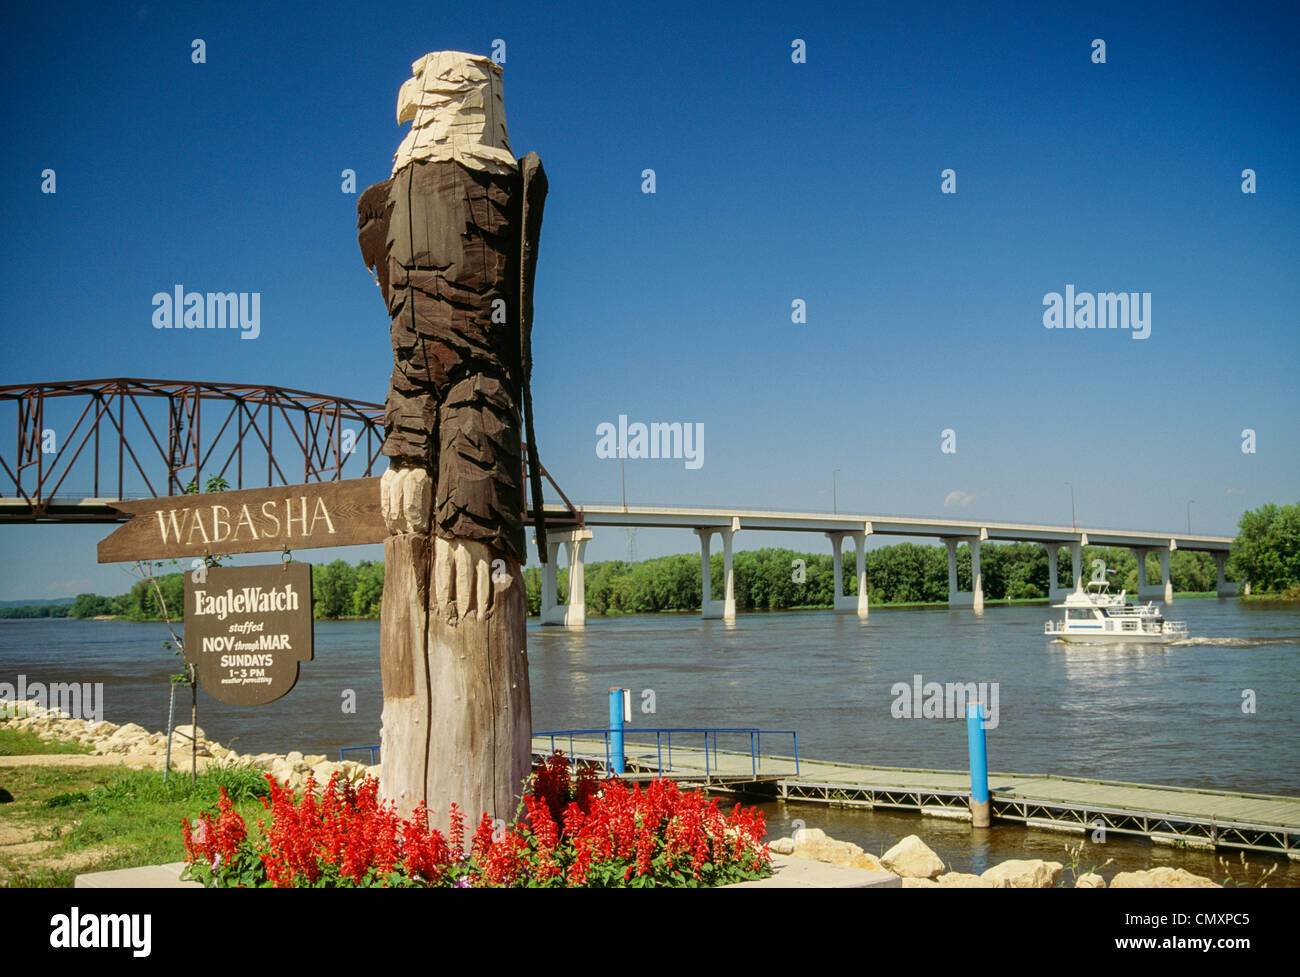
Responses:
[457,726]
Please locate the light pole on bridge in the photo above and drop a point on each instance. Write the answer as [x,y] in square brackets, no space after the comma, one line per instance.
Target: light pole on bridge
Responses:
[1072,523]
[1189,516]
[835,505]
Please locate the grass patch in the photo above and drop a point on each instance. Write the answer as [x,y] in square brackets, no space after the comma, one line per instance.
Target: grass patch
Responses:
[98,819]
[21,742]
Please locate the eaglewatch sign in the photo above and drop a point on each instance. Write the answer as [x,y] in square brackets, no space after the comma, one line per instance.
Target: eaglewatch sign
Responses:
[247,628]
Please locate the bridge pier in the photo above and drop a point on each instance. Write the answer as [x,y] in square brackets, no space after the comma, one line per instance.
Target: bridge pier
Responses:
[1076,561]
[725,609]
[1224,587]
[974,598]
[1164,590]
[847,603]
[574,613]
[1055,592]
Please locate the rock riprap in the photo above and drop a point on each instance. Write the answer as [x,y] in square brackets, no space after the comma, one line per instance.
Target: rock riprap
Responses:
[1024,874]
[920,868]
[1162,877]
[141,749]
[813,844]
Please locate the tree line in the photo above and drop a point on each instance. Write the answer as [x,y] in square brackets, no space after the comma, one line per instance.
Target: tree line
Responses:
[31,611]
[767,579]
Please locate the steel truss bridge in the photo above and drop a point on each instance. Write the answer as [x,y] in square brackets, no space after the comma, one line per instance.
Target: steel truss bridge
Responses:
[80,445]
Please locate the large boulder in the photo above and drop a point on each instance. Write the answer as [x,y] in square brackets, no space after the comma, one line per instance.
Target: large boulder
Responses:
[1162,878]
[1024,874]
[809,835]
[834,852]
[912,859]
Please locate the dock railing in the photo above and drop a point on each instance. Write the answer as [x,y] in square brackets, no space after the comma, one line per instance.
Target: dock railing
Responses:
[663,743]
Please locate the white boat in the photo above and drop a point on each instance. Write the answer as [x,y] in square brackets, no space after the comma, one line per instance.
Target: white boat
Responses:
[1096,616]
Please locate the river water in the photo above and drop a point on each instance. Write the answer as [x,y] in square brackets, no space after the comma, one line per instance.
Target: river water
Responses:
[1221,710]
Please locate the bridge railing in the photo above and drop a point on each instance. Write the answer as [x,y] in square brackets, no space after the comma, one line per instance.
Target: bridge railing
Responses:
[687,736]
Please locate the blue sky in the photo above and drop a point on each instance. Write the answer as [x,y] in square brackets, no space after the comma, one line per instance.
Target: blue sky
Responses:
[775,181]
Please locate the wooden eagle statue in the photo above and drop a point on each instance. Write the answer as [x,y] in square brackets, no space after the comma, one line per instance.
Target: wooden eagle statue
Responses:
[451,239]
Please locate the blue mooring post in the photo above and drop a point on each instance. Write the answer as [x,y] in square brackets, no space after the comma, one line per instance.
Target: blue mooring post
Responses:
[616,731]
[979,766]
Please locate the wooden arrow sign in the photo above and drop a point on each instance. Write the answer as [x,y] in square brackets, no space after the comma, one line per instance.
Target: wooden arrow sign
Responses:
[295,517]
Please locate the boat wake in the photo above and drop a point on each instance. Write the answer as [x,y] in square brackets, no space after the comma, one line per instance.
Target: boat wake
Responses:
[1237,642]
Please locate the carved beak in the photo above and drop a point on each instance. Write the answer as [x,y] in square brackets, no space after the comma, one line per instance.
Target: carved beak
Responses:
[408,100]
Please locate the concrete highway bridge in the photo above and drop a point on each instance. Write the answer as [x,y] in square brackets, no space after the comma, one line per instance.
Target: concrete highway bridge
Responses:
[128,438]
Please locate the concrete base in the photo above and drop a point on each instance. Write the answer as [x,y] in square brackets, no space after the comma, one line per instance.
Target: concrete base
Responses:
[1223,586]
[852,604]
[565,616]
[802,873]
[787,873]
[1158,592]
[146,877]
[717,611]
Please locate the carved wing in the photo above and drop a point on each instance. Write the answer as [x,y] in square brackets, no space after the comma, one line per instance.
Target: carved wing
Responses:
[374,208]
[535,187]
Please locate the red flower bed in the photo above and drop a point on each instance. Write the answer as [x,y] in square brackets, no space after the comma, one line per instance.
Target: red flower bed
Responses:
[578,831]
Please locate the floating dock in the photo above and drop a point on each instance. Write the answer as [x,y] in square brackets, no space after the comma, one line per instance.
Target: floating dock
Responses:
[1175,816]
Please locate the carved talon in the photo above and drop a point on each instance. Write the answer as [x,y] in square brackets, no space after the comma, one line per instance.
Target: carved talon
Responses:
[406,499]
[462,578]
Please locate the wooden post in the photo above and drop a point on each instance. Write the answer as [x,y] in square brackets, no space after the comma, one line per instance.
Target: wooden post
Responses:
[403,669]
[478,677]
